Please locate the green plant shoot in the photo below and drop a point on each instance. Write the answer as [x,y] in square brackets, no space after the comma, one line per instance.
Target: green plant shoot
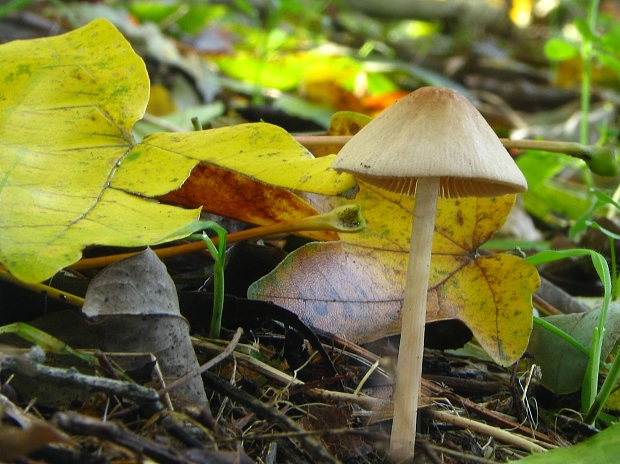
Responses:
[219,257]
[586,221]
[590,400]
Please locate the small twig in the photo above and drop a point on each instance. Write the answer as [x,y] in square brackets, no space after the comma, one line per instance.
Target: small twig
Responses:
[246,360]
[77,424]
[147,398]
[570,148]
[206,366]
[370,435]
[314,448]
[499,434]
[463,457]
[545,307]
[359,387]
[474,408]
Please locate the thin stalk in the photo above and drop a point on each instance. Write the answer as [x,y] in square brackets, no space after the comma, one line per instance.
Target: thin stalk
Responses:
[608,386]
[44,290]
[590,384]
[342,219]
[614,270]
[411,350]
[586,58]
[598,334]
[578,150]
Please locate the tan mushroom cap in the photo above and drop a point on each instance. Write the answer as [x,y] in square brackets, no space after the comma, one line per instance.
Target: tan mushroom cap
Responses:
[432,132]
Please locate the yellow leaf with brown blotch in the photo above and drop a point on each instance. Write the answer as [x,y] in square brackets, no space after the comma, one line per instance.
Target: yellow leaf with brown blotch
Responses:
[72,175]
[354,288]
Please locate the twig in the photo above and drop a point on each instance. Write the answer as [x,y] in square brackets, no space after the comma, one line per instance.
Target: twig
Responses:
[497,433]
[77,424]
[206,366]
[147,398]
[246,360]
[474,408]
[463,457]
[370,435]
[570,148]
[314,448]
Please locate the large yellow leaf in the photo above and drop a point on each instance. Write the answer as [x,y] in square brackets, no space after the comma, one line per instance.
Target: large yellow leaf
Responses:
[70,169]
[67,105]
[354,288]
[261,151]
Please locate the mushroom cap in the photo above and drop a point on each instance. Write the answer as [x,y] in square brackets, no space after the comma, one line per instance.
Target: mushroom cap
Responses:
[432,132]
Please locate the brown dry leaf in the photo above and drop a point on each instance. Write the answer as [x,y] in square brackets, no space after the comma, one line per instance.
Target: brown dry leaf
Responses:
[16,442]
[136,308]
[342,446]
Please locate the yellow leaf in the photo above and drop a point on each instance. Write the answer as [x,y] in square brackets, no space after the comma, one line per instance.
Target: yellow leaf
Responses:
[67,104]
[71,174]
[262,151]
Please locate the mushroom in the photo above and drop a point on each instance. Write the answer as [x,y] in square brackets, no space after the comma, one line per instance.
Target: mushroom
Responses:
[432,143]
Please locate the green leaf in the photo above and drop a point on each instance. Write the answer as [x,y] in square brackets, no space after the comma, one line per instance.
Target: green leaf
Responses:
[560,50]
[564,366]
[602,448]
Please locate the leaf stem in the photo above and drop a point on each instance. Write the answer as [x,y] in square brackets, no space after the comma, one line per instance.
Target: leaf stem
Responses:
[43,289]
[342,219]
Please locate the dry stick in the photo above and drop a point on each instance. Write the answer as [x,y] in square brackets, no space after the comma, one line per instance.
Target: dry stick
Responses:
[463,457]
[489,415]
[78,424]
[314,448]
[499,434]
[547,308]
[569,148]
[146,398]
[247,360]
[206,366]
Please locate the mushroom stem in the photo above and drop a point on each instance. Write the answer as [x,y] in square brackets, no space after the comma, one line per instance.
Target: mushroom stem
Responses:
[409,369]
